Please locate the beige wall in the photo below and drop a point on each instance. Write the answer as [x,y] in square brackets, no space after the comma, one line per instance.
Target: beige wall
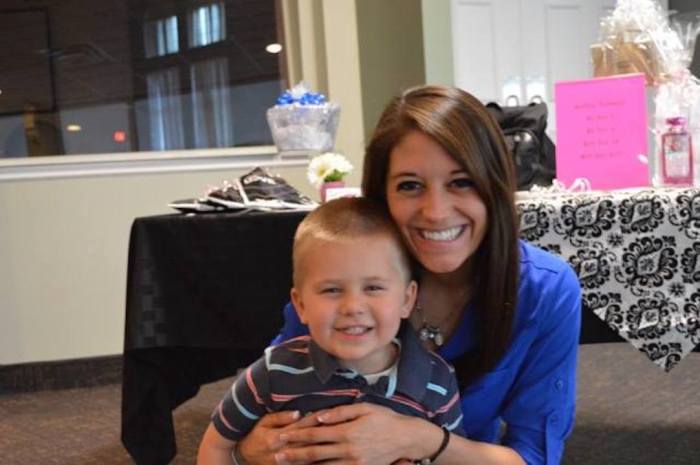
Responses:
[343,73]
[63,257]
[391,52]
[437,41]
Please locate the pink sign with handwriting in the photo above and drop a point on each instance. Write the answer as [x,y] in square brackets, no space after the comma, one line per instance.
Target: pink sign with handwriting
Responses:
[602,131]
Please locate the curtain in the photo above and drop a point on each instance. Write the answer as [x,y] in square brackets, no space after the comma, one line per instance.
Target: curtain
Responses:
[165,110]
[212,105]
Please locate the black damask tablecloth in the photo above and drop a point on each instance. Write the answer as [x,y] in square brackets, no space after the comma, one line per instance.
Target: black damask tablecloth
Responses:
[637,255]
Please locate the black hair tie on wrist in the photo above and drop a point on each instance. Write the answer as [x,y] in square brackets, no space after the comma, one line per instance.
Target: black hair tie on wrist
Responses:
[443,446]
[236,455]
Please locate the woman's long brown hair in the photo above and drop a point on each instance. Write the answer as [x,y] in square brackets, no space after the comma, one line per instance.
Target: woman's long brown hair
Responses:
[468,133]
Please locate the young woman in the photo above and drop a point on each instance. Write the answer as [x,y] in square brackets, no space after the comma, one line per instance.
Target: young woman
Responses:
[506,314]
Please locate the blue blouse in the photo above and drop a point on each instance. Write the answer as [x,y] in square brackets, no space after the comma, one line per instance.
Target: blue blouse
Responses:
[532,389]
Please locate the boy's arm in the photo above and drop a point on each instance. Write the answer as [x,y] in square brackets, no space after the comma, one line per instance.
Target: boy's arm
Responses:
[215,449]
[236,415]
[450,412]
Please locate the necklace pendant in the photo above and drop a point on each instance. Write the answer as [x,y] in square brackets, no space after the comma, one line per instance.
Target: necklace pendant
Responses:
[428,332]
[438,339]
[424,334]
[431,333]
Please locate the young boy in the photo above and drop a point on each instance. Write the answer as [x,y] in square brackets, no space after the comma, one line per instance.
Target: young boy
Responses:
[352,287]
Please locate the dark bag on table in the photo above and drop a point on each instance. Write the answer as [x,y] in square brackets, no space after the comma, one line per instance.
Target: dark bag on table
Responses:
[532,149]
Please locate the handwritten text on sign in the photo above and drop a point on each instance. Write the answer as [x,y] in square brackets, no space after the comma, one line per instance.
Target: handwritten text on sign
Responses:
[602,131]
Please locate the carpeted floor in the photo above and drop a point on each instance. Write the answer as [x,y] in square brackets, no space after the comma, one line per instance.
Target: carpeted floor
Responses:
[629,412]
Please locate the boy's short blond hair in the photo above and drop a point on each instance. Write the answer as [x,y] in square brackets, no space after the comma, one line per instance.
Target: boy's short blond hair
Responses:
[346,219]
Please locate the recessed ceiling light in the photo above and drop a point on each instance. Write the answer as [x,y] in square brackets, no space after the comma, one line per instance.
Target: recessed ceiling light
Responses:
[74,127]
[273,48]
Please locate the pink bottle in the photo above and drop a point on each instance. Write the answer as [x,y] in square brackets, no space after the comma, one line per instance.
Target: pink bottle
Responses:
[676,153]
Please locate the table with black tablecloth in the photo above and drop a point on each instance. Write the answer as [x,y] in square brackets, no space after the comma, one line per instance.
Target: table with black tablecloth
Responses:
[204,298]
[205,291]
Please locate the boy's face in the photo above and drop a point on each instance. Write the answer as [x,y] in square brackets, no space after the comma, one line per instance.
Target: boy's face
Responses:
[353,295]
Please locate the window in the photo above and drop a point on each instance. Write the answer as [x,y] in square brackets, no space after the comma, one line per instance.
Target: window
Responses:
[128,76]
[160,37]
[206,25]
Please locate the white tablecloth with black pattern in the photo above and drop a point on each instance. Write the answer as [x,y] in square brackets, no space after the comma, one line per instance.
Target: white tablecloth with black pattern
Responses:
[637,255]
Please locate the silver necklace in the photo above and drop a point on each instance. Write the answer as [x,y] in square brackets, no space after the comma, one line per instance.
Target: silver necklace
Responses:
[428,332]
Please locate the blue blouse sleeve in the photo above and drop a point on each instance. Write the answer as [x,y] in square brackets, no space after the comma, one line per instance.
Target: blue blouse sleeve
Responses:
[292,326]
[540,405]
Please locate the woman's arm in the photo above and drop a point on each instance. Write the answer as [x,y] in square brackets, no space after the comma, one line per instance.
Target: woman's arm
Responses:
[540,409]
[366,433]
[292,326]
[467,452]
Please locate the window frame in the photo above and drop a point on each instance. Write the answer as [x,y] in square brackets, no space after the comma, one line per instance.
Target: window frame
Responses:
[172,161]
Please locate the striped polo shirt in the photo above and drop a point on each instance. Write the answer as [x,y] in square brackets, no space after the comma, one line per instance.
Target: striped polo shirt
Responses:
[298,375]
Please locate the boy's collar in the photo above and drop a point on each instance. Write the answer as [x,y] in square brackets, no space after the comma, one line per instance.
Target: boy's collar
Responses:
[414,369]
[415,365]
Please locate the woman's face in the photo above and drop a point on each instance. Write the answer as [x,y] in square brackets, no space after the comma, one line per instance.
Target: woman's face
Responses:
[434,204]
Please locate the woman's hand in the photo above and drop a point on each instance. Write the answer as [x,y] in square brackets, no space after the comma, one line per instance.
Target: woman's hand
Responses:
[349,434]
[263,442]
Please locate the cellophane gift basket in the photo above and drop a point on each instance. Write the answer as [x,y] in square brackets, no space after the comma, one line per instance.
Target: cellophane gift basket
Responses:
[639,36]
[303,121]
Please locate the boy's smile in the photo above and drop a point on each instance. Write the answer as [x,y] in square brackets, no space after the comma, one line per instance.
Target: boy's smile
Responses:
[353,295]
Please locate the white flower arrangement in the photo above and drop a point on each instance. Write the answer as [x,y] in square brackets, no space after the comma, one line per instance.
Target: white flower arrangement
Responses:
[328,167]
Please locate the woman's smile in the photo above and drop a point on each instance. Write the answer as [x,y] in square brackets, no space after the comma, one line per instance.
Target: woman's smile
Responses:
[434,203]
[441,235]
